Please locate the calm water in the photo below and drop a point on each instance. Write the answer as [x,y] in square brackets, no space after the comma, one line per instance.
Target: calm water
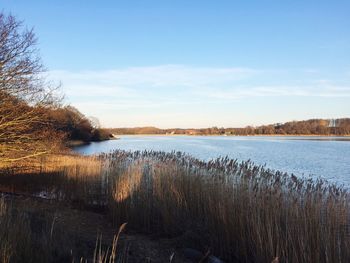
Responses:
[316,156]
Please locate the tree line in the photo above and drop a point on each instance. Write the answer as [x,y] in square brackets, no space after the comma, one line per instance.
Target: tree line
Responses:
[33,120]
[340,127]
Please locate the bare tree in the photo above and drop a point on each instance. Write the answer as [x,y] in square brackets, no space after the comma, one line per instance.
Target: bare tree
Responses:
[24,131]
[19,61]
[24,96]
[95,123]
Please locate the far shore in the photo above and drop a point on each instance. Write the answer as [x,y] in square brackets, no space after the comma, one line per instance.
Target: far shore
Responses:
[233,135]
[77,143]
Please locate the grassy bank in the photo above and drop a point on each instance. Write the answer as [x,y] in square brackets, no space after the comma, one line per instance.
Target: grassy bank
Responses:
[238,211]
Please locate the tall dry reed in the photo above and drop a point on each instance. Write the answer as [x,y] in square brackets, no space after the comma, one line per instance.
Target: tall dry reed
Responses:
[242,212]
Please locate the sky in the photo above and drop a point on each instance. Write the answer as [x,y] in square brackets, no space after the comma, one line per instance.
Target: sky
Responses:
[193,64]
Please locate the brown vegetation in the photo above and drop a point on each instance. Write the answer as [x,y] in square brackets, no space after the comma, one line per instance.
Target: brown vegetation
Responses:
[75,125]
[24,97]
[242,212]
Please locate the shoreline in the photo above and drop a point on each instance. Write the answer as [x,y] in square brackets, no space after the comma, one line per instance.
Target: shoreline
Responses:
[232,135]
[76,143]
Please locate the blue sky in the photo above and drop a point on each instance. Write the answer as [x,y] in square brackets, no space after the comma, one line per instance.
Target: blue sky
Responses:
[196,63]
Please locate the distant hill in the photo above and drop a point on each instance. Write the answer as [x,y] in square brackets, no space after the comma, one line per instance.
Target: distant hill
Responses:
[339,127]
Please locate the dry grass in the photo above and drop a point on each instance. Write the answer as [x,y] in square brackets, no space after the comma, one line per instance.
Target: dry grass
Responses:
[27,237]
[31,234]
[60,177]
[242,212]
[108,255]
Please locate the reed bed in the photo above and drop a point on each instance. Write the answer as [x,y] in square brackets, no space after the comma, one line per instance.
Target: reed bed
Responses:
[27,237]
[60,177]
[240,211]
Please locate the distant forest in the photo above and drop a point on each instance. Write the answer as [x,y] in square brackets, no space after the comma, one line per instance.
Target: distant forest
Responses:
[339,127]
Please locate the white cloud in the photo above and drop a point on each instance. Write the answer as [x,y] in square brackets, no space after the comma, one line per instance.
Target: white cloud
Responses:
[144,86]
[169,90]
[136,82]
[277,91]
[156,76]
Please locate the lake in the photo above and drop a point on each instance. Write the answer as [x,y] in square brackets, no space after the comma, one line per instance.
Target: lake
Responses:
[326,157]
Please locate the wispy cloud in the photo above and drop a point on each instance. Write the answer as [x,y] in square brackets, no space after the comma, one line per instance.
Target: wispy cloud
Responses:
[147,87]
[277,91]
[147,90]
[127,80]
[136,82]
